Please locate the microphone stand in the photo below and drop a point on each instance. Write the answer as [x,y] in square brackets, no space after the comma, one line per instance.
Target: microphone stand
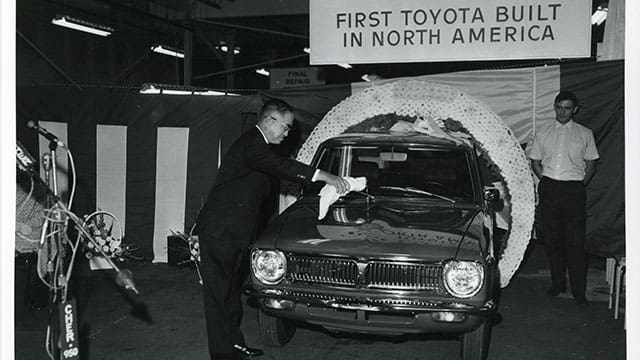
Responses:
[54,248]
[123,277]
[56,261]
[123,280]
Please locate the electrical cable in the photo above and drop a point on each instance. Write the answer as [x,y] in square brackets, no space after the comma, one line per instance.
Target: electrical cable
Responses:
[73,174]
[31,188]
[47,342]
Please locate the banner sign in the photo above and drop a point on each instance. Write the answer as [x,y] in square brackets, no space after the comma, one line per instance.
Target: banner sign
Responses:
[295,77]
[383,31]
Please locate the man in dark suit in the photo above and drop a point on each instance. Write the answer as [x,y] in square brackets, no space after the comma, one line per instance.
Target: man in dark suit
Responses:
[227,223]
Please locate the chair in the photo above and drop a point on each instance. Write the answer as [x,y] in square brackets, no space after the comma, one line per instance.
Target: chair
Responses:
[610,268]
[615,278]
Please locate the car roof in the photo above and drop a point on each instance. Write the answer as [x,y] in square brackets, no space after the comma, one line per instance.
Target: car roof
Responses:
[381,138]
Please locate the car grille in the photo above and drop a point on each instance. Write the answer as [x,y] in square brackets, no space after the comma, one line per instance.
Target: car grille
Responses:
[323,270]
[365,273]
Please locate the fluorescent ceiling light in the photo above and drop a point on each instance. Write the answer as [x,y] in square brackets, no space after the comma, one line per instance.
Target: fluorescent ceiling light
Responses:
[214,93]
[150,89]
[599,16]
[166,50]
[81,25]
[262,72]
[225,48]
[177,90]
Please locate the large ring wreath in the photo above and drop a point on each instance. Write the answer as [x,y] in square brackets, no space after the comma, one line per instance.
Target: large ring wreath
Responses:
[415,98]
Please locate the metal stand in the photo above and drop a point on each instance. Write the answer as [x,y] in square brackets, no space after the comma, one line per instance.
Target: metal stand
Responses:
[54,267]
[52,245]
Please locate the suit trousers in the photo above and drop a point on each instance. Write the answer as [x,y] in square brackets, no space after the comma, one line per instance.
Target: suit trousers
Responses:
[222,277]
[563,217]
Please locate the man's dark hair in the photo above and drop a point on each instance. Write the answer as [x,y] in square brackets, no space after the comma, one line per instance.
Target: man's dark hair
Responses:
[566,95]
[277,105]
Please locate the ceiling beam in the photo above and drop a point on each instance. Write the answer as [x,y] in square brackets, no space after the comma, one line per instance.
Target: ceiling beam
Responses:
[227,71]
[203,37]
[251,28]
[127,71]
[48,60]
[213,3]
[137,11]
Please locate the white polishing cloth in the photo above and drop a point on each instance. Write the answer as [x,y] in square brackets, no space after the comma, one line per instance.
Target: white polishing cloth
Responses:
[329,193]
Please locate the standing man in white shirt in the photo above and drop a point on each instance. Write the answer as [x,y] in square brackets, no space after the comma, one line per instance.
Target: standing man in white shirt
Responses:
[563,156]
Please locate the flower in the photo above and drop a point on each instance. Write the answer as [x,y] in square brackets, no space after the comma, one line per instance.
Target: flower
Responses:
[193,244]
[103,242]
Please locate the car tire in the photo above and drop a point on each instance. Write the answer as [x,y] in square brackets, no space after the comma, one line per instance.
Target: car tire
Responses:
[475,344]
[274,331]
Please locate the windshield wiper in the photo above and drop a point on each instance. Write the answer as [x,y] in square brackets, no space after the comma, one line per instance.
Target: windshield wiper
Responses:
[364,193]
[417,191]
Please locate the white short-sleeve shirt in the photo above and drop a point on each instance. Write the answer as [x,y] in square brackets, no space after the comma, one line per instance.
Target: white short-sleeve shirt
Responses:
[563,149]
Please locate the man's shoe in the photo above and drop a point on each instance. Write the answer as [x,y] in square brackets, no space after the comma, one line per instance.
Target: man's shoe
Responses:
[247,352]
[582,301]
[554,292]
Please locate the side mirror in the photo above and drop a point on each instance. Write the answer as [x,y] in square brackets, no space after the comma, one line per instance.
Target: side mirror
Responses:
[491,195]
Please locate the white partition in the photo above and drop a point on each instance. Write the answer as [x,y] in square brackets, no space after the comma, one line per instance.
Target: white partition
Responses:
[111,170]
[171,185]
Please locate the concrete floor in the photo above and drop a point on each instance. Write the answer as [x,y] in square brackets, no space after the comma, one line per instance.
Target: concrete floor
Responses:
[166,322]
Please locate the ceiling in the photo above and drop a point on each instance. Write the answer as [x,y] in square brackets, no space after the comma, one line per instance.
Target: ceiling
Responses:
[268,33]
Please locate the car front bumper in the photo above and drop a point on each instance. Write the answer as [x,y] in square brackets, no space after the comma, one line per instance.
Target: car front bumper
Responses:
[386,314]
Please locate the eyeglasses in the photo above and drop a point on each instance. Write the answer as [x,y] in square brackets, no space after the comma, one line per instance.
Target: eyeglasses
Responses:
[285,126]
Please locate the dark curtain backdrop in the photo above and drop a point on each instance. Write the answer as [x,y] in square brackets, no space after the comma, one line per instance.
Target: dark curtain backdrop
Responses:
[208,118]
[599,86]
[600,91]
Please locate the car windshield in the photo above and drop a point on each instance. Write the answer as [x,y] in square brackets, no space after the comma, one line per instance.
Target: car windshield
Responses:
[403,171]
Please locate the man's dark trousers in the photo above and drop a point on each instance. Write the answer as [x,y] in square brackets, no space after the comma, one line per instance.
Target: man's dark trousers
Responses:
[223,277]
[563,215]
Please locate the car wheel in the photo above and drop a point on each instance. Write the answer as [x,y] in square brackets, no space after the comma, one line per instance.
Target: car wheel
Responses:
[475,344]
[274,331]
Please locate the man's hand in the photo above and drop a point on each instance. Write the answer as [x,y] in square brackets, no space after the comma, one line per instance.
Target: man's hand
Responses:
[590,169]
[340,183]
[536,165]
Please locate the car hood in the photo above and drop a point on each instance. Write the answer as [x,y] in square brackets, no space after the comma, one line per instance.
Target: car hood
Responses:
[400,228]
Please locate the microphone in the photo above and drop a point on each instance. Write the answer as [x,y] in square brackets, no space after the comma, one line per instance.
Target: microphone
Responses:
[124,278]
[42,131]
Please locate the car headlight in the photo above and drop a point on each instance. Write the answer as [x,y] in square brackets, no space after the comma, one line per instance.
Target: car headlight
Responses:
[268,266]
[463,279]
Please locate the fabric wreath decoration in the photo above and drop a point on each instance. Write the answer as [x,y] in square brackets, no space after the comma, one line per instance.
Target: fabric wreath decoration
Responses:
[414,98]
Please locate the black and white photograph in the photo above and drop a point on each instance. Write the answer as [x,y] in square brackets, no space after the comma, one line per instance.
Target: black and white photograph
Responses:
[318,179]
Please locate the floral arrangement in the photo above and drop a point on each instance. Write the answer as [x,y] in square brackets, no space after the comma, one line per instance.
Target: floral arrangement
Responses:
[104,238]
[194,248]
[107,238]
[193,244]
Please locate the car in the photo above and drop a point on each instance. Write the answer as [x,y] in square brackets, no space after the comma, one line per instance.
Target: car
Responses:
[412,253]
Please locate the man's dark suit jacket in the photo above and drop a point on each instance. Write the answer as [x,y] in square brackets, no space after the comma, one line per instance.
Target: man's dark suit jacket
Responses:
[231,211]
